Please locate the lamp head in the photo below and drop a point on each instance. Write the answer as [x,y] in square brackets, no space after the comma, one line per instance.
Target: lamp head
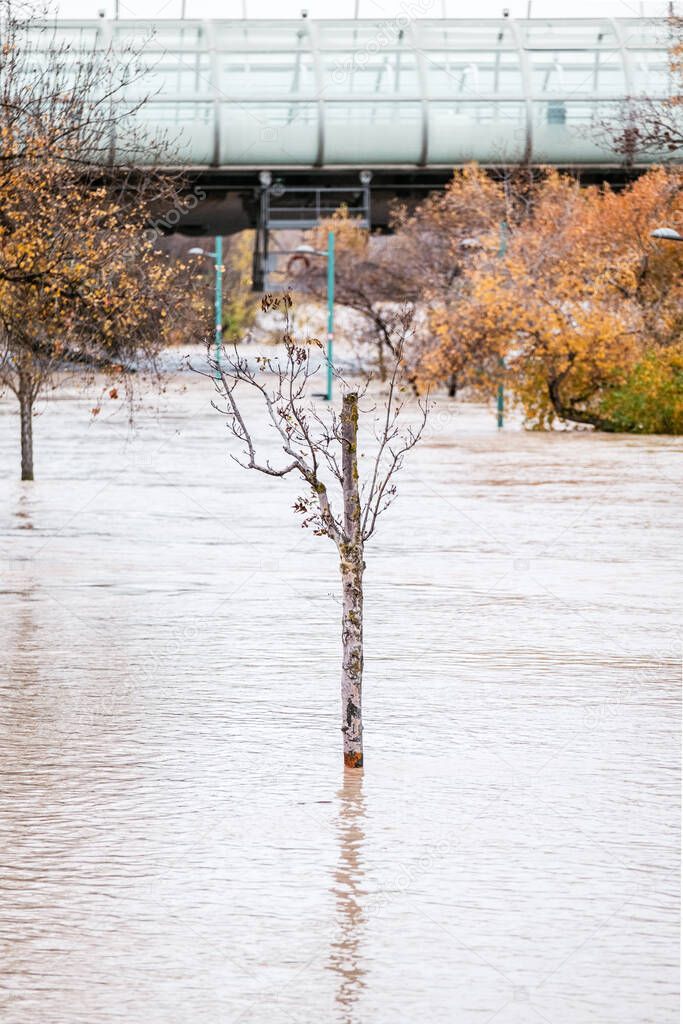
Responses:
[668,233]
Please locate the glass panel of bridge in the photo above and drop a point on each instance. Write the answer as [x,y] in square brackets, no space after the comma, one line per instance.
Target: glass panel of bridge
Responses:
[493,132]
[270,75]
[651,73]
[155,37]
[278,38]
[171,74]
[173,59]
[568,35]
[362,37]
[269,133]
[388,132]
[185,128]
[473,73]
[367,58]
[74,38]
[599,72]
[573,131]
[391,72]
[465,35]
[69,56]
[652,32]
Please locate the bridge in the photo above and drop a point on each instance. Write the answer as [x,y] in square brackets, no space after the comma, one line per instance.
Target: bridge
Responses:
[312,103]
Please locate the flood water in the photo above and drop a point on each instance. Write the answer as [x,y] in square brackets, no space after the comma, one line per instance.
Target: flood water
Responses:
[179,844]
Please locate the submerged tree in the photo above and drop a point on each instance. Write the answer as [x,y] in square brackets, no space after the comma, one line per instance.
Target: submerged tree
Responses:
[90,294]
[322,449]
[560,291]
[585,301]
[80,285]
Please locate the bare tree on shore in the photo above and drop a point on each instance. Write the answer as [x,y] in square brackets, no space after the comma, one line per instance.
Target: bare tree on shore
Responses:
[370,278]
[321,447]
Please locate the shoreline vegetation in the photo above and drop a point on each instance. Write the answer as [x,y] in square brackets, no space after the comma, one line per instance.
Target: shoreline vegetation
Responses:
[554,292]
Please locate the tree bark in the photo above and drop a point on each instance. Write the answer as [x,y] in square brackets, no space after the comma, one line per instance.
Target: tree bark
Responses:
[381,365]
[566,411]
[352,566]
[25,395]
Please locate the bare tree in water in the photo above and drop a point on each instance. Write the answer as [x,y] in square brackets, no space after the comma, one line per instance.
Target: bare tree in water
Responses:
[322,449]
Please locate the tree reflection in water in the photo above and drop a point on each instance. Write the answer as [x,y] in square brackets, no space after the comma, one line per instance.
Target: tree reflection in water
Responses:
[346,951]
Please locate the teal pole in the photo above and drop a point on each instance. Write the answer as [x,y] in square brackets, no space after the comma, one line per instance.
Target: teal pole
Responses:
[330,312]
[500,419]
[501,401]
[218,255]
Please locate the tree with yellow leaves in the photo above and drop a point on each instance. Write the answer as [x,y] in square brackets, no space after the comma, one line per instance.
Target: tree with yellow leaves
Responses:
[80,287]
[585,305]
[443,238]
[240,305]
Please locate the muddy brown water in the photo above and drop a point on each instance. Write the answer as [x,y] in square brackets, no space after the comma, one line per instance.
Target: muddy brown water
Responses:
[179,844]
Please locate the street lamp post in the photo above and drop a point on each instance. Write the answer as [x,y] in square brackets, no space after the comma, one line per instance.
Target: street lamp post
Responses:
[328,254]
[500,403]
[330,313]
[218,301]
[217,257]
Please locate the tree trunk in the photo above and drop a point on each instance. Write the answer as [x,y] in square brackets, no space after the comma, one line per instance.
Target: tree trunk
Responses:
[566,411]
[352,566]
[452,386]
[381,365]
[26,415]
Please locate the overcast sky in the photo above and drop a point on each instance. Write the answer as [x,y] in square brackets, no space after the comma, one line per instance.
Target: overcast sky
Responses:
[368,8]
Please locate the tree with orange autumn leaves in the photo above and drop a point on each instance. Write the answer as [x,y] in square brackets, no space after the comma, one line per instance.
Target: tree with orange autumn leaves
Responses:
[444,239]
[553,288]
[418,269]
[584,307]
[81,288]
